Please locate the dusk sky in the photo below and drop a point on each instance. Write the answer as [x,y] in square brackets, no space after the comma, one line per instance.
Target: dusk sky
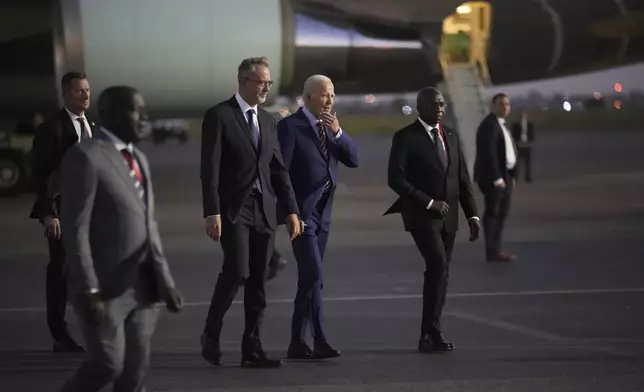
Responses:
[312,32]
[315,33]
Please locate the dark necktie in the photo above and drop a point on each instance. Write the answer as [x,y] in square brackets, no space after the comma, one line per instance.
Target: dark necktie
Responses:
[438,147]
[253,129]
[323,139]
[135,173]
[84,132]
[255,134]
[325,150]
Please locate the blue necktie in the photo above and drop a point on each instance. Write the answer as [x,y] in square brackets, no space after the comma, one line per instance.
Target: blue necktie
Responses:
[255,133]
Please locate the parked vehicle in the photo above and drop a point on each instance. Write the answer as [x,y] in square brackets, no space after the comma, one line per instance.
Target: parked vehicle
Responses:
[164,129]
[15,162]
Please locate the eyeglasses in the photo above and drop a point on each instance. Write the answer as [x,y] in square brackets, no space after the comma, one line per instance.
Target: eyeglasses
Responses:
[260,83]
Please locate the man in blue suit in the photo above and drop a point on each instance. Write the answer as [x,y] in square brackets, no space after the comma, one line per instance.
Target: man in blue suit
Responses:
[312,144]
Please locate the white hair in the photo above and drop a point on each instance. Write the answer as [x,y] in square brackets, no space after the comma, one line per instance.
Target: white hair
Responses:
[313,81]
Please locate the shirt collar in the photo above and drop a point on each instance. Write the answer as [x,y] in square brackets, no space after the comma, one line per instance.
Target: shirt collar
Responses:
[74,116]
[310,116]
[244,105]
[118,143]
[428,127]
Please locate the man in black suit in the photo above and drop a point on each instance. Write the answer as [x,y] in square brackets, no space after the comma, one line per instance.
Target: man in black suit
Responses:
[52,140]
[243,179]
[427,170]
[496,156]
[523,134]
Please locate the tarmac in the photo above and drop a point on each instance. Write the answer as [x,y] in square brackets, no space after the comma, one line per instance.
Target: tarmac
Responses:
[567,316]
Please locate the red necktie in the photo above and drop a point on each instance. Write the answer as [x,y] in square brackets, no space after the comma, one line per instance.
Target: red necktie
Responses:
[442,133]
[134,170]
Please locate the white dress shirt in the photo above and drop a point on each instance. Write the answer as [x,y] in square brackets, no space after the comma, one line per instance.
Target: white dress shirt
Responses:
[120,145]
[75,121]
[429,129]
[510,155]
[314,122]
[245,107]
[524,129]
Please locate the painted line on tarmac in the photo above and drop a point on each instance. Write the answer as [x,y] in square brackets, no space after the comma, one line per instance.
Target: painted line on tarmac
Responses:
[536,333]
[404,296]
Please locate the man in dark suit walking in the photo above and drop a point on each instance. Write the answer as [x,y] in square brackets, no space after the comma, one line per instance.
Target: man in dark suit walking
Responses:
[50,144]
[243,178]
[116,266]
[523,134]
[312,145]
[494,172]
[427,169]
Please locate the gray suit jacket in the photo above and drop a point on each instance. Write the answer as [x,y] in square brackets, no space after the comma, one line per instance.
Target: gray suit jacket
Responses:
[110,234]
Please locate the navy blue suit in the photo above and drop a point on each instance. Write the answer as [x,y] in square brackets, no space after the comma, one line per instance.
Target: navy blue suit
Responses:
[310,170]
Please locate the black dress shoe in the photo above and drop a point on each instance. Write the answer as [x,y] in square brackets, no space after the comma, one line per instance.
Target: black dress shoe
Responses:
[324,350]
[259,360]
[299,350]
[67,346]
[434,344]
[275,266]
[210,350]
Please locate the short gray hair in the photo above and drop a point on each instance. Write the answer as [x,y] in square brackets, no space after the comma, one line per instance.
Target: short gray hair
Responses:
[248,65]
[425,94]
[312,81]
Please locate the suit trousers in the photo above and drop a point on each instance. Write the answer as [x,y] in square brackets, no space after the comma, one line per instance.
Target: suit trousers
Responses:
[525,162]
[497,207]
[309,251]
[118,349]
[56,291]
[248,245]
[436,248]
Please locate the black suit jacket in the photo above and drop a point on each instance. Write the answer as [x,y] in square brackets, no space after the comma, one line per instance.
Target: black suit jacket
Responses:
[417,175]
[230,164]
[516,134]
[491,162]
[53,139]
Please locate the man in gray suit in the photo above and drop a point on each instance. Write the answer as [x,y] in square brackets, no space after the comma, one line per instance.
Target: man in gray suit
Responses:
[116,268]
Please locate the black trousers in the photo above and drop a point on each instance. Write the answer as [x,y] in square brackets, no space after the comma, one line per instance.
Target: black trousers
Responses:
[525,162]
[248,245]
[276,256]
[436,248]
[497,207]
[56,291]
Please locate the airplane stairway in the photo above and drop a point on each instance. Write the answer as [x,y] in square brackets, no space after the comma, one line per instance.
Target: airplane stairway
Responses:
[465,93]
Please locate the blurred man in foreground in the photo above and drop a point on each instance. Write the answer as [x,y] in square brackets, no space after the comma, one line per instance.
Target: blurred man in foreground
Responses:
[427,170]
[312,144]
[117,270]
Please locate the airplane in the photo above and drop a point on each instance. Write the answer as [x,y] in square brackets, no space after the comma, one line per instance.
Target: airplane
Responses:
[183,55]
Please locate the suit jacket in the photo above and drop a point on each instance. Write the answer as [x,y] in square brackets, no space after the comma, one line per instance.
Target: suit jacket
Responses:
[110,234]
[516,134]
[53,138]
[417,175]
[308,167]
[230,164]
[490,163]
